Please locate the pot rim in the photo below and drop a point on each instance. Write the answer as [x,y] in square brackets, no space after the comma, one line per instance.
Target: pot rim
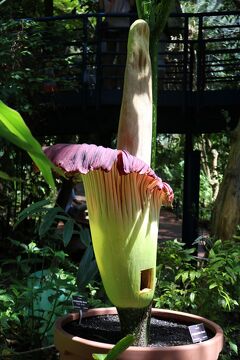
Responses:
[178,315]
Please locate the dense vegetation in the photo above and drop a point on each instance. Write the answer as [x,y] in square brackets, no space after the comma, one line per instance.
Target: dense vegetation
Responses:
[37,266]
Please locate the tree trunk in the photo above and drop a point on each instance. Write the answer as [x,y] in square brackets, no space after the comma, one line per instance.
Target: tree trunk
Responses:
[209,157]
[226,212]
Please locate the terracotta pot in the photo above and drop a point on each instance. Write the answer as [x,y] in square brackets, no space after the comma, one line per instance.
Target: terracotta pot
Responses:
[76,348]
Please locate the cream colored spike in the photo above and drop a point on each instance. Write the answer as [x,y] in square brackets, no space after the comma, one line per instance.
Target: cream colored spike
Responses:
[135,124]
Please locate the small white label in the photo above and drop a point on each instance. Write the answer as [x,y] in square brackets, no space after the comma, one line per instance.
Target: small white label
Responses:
[79,303]
[198,333]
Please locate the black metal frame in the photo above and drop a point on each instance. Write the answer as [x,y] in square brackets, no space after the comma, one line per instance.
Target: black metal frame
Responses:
[188,51]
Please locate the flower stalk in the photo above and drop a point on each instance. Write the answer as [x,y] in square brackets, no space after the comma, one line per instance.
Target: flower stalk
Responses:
[156,14]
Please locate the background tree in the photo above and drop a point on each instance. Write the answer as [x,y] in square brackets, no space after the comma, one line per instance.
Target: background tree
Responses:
[214,150]
[226,212]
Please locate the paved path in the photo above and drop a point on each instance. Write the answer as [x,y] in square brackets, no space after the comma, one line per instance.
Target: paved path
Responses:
[170,227]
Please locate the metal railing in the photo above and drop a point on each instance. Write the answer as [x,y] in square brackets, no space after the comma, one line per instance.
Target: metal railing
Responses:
[81,53]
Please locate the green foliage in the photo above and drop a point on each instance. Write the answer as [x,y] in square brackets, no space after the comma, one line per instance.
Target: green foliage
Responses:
[95,293]
[78,6]
[40,280]
[25,186]
[155,13]
[14,129]
[170,153]
[66,6]
[13,9]
[36,288]
[38,59]
[170,164]
[16,55]
[206,6]
[87,269]
[29,8]
[215,278]
[6,177]
[121,346]
[209,286]
[47,218]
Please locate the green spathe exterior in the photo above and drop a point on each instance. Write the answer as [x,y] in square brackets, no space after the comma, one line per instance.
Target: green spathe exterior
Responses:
[124,226]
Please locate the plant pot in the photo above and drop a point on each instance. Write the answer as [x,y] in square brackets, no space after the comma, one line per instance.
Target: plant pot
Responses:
[77,348]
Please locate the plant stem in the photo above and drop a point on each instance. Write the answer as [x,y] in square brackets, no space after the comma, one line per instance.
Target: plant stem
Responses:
[136,322]
[139,9]
[153,49]
[157,16]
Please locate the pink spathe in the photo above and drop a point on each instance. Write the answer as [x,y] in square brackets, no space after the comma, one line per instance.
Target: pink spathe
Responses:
[76,159]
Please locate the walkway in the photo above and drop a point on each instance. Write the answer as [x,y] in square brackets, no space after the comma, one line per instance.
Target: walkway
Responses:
[170,227]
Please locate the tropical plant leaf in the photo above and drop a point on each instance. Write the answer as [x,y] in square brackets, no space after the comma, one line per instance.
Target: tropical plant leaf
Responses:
[85,236]
[32,209]
[68,231]
[233,347]
[14,129]
[48,221]
[5,176]
[99,356]
[121,346]
[87,268]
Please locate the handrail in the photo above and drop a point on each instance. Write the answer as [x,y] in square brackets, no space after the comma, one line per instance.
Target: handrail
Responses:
[86,56]
[102,14]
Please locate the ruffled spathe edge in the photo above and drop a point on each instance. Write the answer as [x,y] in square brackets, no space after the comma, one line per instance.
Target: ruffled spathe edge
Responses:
[76,159]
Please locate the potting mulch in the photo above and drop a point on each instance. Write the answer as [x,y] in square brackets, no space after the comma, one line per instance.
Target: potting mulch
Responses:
[106,329]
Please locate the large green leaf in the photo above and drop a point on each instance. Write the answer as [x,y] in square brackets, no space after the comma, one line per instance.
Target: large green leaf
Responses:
[87,269]
[68,231]
[33,209]
[48,221]
[5,176]
[121,346]
[14,129]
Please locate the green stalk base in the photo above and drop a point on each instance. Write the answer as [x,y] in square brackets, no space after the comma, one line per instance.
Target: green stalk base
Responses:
[136,322]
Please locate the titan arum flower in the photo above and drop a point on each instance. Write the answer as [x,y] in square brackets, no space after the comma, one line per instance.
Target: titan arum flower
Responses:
[124,195]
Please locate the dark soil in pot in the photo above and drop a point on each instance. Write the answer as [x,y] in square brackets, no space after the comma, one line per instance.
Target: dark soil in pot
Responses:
[106,329]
